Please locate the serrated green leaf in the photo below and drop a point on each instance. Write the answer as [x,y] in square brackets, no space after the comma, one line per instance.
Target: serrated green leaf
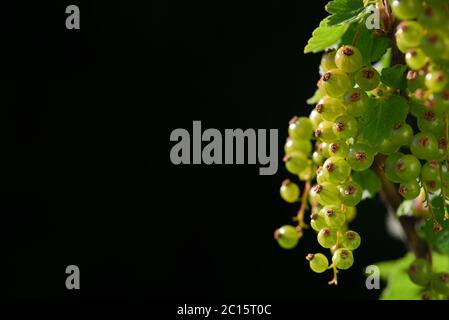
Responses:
[377,123]
[315,98]
[395,77]
[369,181]
[344,10]
[371,45]
[325,36]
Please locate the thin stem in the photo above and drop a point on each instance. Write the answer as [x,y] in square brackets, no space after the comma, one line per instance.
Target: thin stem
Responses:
[335,278]
[302,210]
[428,204]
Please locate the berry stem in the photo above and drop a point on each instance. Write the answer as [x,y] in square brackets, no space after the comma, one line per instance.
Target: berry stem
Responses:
[428,204]
[302,210]
[335,278]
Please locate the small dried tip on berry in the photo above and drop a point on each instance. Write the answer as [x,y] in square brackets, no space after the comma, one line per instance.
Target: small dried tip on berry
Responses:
[319,108]
[413,270]
[348,51]
[350,235]
[431,184]
[437,228]
[412,75]
[397,126]
[424,142]
[400,166]
[314,216]
[445,95]
[326,232]
[444,277]
[434,164]
[340,126]
[330,212]
[293,120]
[350,190]
[286,182]
[441,78]
[327,76]
[330,167]
[402,190]
[368,73]
[344,254]
[334,147]
[426,296]
[355,97]
[433,39]
[317,188]
[317,133]
[277,234]
[310,257]
[442,143]
[429,116]
[360,156]
[286,158]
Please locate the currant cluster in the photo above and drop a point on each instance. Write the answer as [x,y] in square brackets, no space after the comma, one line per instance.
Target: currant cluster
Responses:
[436,285]
[325,149]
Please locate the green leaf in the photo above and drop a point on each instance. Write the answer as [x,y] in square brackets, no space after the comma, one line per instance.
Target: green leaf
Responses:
[384,62]
[325,36]
[369,181]
[372,46]
[344,10]
[399,286]
[377,123]
[315,98]
[395,77]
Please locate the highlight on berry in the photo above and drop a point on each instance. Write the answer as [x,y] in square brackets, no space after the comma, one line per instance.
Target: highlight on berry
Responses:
[377,125]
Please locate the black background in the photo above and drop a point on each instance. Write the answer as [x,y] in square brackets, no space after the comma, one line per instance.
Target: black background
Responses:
[86,177]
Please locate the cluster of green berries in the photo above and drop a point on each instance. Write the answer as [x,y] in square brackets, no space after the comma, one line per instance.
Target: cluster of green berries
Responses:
[326,148]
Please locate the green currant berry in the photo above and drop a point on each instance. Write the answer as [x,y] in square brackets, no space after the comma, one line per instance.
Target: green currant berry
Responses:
[410,33]
[350,193]
[410,190]
[289,191]
[325,132]
[349,59]
[433,45]
[333,216]
[436,80]
[406,9]
[343,259]
[300,128]
[295,162]
[367,78]
[337,169]
[440,283]
[329,108]
[328,61]
[390,164]
[345,127]
[420,272]
[287,237]
[327,238]
[326,194]
[317,221]
[335,83]
[415,58]
[338,149]
[318,262]
[351,240]
[316,118]
[408,168]
[388,147]
[424,146]
[356,102]
[295,145]
[402,134]
[360,157]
